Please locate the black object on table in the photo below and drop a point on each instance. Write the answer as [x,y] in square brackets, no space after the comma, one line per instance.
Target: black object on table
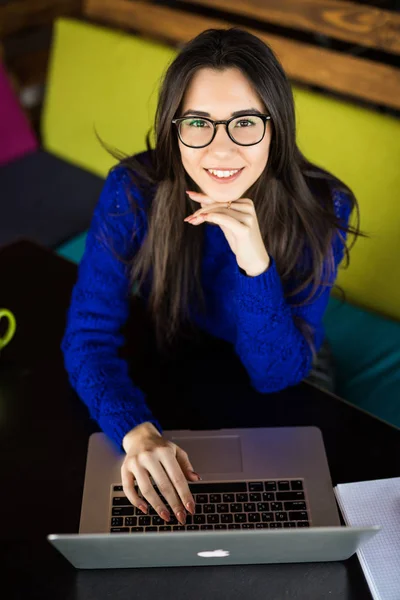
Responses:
[44,431]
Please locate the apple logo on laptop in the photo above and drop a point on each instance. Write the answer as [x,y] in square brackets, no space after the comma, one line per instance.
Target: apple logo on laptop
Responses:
[213,553]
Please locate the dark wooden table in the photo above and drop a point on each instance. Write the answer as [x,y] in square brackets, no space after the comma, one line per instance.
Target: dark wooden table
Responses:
[44,430]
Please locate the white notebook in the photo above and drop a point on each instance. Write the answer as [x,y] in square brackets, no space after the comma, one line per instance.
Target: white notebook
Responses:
[376,503]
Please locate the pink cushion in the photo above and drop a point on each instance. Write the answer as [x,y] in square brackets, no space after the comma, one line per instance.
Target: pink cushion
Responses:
[16,135]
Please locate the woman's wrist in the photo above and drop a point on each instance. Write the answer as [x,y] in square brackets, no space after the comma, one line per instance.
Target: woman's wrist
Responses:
[144,429]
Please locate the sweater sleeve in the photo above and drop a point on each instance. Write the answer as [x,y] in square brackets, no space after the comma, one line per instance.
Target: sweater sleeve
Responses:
[99,308]
[272,349]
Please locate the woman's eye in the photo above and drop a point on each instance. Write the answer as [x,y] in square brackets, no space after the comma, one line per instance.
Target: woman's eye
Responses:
[246,122]
[198,123]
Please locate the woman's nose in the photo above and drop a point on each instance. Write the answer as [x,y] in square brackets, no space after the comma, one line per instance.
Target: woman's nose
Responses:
[222,140]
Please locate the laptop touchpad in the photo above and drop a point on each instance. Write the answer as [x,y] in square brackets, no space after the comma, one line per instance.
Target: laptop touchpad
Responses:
[214,454]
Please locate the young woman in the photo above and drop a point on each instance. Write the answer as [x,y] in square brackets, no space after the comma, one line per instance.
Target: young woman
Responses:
[224,225]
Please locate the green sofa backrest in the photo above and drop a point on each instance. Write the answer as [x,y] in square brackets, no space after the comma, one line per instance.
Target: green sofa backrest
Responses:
[106,80]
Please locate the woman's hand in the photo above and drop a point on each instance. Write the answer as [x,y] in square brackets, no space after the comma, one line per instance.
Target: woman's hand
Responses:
[238,221]
[148,453]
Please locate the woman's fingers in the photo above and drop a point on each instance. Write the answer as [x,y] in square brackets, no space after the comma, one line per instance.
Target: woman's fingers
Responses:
[166,488]
[128,479]
[175,466]
[223,219]
[147,489]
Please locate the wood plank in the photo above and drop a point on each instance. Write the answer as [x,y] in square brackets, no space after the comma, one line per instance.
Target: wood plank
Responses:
[304,63]
[349,21]
[19,15]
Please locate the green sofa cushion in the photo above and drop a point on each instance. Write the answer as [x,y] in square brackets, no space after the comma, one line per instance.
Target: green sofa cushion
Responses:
[74,248]
[366,347]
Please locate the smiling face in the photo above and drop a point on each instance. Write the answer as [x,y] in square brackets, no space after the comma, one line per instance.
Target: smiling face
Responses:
[220,94]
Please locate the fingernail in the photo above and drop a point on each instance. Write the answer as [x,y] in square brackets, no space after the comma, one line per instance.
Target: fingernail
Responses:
[181,516]
[165,515]
[190,507]
[197,475]
[188,192]
[143,508]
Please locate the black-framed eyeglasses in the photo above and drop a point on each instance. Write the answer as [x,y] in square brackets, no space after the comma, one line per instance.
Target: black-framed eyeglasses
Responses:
[198,132]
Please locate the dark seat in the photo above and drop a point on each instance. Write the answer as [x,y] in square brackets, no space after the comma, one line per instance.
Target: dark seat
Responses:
[46,199]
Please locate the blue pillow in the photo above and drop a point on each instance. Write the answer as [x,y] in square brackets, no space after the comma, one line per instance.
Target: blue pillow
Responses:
[366,348]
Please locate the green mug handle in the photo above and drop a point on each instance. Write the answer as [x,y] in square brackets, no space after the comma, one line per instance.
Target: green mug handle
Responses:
[12,325]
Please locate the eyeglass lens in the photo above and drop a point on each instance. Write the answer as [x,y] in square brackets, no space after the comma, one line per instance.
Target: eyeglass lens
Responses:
[195,131]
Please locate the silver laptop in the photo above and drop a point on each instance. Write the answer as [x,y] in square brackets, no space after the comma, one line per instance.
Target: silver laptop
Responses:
[266,496]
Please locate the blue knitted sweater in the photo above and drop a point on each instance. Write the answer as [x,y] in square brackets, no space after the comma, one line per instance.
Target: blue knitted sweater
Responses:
[249,312]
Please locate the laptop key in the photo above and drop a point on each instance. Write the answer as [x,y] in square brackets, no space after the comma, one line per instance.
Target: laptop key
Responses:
[144,521]
[204,527]
[137,529]
[248,526]
[256,486]
[218,488]
[233,526]
[290,495]
[275,506]
[118,488]
[150,529]
[240,518]
[222,508]
[235,508]
[267,517]
[192,528]
[226,518]
[208,508]
[270,486]
[255,497]
[121,501]
[263,506]
[165,528]
[242,497]
[122,511]
[119,530]
[281,516]
[199,519]
[290,524]
[228,497]
[249,507]
[198,509]
[179,528]
[219,526]
[215,498]
[262,525]
[295,505]
[157,520]
[268,496]
[298,516]
[117,521]
[303,524]
[283,486]
[296,485]
[201,498]
[212,519]
[254,517]
[275,525]
[130,521]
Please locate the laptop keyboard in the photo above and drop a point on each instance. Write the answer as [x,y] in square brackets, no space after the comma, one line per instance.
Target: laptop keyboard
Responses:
[271,504]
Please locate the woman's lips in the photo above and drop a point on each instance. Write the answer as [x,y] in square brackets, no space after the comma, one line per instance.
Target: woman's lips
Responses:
[225,179]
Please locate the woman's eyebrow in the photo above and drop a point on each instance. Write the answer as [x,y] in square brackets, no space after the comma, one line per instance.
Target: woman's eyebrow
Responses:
[237,113]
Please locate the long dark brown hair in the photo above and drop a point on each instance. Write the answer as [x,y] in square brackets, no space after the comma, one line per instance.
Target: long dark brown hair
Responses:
[293,197]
